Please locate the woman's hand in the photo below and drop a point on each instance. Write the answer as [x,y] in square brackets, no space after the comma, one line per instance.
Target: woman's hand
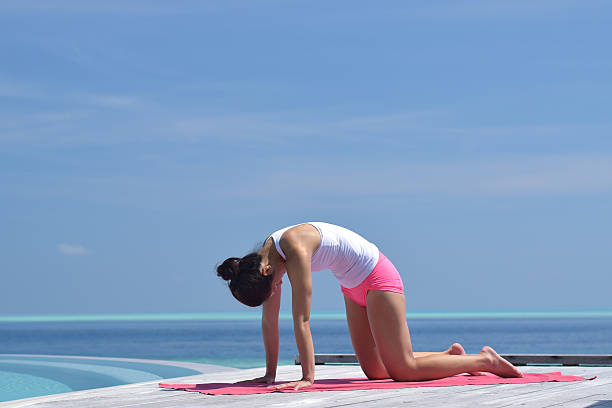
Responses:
[266,379]
[295,384]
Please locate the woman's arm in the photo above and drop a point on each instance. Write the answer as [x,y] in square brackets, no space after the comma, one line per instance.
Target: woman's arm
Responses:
[269,329]
[298,270]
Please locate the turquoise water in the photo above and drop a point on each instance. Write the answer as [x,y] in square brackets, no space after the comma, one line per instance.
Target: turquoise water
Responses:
[16,386]
[315,315]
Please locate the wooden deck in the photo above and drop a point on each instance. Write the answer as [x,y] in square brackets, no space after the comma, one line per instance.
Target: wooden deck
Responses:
[595,393]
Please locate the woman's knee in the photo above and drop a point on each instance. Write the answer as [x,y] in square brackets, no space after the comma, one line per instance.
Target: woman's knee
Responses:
[376,372]
[378,377]
[404,370]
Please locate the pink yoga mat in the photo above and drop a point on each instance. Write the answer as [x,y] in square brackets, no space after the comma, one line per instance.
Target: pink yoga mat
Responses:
[350,384]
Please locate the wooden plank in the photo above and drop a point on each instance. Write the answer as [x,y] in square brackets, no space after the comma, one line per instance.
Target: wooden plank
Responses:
[516,359]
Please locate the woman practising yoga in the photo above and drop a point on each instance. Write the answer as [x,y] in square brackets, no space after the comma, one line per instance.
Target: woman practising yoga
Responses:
[373,296]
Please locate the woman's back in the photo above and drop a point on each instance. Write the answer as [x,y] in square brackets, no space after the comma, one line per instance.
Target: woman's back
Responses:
[348,255]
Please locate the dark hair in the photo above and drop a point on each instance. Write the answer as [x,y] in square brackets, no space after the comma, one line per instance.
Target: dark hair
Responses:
[246,282]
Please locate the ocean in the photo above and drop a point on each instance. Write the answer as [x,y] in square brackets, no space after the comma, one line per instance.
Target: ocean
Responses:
[235,340]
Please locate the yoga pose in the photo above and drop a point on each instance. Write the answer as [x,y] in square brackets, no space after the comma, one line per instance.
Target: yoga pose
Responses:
[373,296]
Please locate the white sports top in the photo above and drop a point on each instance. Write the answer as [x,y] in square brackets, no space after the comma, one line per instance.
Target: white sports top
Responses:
[348,255]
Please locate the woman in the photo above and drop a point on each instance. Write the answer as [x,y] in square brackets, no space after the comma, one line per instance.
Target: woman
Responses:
[373,296]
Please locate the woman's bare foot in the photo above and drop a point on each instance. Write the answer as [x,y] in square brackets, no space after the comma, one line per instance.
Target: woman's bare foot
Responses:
[497,365]
[457,349]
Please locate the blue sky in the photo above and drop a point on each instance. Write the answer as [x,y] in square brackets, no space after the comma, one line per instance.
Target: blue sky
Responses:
[142,142]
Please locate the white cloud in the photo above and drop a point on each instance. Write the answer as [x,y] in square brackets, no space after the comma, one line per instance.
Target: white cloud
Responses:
[12,88]
[70,249]
[501,8]
[15,88]
[111,101]
[290,125]
[503,176]
[113,7]
[417,128]
[444,9]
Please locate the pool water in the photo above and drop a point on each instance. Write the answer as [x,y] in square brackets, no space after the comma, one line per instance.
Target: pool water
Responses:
[24,376]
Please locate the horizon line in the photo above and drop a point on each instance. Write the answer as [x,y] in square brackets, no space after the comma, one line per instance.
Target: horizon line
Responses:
[286,315]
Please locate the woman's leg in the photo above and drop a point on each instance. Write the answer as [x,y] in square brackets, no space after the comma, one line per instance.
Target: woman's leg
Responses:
[387,318]
[365,347]
[363,343]
[455,348]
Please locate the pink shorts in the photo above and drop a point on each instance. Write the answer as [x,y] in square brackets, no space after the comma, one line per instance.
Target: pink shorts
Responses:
[384,276]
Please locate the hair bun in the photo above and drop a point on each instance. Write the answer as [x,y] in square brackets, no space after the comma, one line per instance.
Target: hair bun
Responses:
[228,270]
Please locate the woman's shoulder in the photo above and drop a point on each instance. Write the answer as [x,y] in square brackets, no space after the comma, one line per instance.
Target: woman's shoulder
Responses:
[298,237]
